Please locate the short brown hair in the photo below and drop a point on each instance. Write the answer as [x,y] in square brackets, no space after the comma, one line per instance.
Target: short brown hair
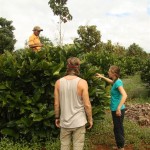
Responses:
[73,66]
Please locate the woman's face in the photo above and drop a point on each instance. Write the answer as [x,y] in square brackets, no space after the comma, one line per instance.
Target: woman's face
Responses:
[110,73]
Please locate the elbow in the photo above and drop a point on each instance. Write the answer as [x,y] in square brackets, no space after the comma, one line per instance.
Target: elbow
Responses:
[125,97]
[87,107]
[56,105]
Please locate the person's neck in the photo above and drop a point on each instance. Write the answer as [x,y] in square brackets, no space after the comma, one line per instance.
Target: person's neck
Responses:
[114,79]
[71,74]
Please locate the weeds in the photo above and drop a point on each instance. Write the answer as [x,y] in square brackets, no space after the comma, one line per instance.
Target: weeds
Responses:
[102,133]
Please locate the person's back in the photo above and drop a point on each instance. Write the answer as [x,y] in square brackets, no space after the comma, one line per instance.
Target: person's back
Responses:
[73,113]
[71,105]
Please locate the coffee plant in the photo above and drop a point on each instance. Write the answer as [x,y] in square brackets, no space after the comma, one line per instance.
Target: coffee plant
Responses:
[26,90]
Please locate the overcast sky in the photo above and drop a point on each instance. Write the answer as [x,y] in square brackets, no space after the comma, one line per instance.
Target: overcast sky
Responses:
[121,21]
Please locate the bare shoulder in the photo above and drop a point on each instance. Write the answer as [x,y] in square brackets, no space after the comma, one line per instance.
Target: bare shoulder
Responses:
[83,83]
[57,83]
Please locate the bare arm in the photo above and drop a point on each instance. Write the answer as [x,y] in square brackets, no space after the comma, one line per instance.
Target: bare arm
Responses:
[124,97]
[87,103]
[57,104]
[103,77]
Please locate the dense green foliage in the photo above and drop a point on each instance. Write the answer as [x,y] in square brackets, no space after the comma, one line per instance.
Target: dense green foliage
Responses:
[145,72]
[26,87]
[7,39]
[27,83]
[89,38]
[26,90]
[46,41]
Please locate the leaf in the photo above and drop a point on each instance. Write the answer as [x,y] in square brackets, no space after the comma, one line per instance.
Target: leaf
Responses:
[10,132]
[57,68]
[25,122]
[11,124]
[50,114]
[47,123]
[36,117]
[2,87]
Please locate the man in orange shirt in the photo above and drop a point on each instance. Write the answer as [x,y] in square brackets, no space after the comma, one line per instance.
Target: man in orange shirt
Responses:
[34,40]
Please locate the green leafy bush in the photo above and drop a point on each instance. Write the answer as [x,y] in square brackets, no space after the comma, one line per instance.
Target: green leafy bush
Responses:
[145,73]
[26,91]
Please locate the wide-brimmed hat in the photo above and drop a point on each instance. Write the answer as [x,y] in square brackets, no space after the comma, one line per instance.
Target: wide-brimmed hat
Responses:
[37,28]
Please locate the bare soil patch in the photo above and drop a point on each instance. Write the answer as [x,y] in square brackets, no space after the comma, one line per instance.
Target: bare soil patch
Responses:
[139,113]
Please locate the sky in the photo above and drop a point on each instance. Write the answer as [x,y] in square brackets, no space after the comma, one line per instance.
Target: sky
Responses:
[122,21]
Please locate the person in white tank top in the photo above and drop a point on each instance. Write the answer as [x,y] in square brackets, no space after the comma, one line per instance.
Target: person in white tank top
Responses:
[72,107]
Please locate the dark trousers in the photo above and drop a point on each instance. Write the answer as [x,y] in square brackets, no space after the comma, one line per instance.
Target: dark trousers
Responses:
[118,128]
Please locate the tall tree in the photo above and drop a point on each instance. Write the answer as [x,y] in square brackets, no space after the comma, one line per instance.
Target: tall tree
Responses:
[89,38]
[46,41]
[108,47]
[7,38]
[136,50]
[59,8]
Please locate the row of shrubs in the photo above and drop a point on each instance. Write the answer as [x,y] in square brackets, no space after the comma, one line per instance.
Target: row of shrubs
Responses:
[27,83]
[26,91]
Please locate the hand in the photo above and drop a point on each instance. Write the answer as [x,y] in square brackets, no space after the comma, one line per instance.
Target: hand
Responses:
[90,124]
[40,45]
[118,112]
[99,75]
[57,123]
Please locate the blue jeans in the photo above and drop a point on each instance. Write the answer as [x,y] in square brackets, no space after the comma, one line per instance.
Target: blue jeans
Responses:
[118,128]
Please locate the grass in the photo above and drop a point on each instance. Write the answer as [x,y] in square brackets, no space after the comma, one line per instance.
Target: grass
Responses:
[102,133]
[135,88]
[8,144]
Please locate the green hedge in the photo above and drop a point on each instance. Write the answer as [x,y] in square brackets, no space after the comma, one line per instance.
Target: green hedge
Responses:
[145,73]
[26,90]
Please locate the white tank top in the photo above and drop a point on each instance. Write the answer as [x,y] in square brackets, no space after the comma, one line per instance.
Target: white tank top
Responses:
[71,104]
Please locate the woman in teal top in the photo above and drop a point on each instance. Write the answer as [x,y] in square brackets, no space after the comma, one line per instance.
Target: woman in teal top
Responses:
[118,98]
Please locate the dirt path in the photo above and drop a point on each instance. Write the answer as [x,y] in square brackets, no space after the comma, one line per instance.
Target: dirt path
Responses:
[104,147]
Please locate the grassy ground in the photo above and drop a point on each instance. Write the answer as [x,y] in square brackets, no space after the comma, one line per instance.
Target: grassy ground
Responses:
[137,138]
[135,88]
[102,134]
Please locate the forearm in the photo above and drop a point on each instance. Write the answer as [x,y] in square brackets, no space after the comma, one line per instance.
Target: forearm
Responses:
[103,77]
[57,116]
[57,111]
[107,80]
[88,110]
[35,45]
[121,103]
[124,97]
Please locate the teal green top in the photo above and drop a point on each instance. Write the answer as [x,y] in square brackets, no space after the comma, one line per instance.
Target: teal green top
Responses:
[116,95]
